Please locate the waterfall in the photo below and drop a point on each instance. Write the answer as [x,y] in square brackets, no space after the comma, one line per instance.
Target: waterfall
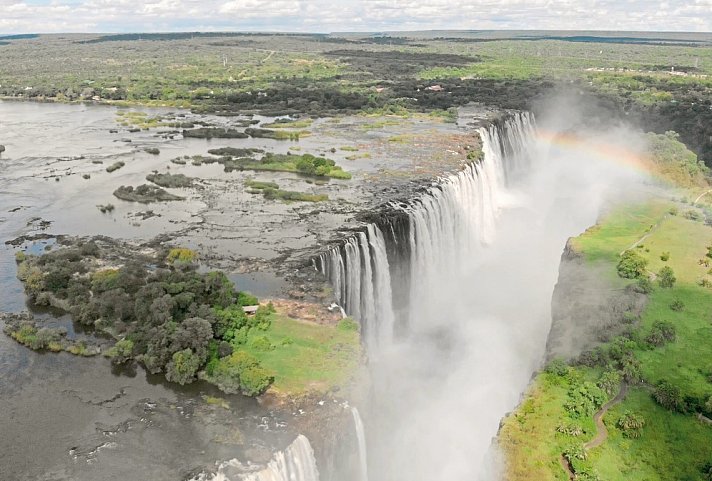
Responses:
[451,219]
[361,436]
[295,463]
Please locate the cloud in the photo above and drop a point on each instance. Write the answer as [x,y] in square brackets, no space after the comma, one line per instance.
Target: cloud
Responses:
[45,16]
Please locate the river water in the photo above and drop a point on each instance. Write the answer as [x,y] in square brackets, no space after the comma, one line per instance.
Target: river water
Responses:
[69,418]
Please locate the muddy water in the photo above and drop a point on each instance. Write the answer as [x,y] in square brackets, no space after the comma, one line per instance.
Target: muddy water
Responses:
[69,418]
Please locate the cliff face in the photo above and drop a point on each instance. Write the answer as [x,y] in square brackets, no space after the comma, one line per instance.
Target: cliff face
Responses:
[587,308]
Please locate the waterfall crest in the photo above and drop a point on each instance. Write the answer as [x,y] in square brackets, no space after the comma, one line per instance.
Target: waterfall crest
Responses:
[295,463]
[454,217]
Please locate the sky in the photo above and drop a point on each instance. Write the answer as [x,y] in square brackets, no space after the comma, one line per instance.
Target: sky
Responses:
[51,16]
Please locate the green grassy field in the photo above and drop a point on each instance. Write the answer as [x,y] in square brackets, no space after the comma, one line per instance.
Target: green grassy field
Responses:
[672,445]
[307,357]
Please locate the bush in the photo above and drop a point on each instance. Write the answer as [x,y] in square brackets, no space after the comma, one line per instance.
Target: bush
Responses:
[255,380]
[610,382]
[347,324]
[665,256]
[677,305]
[121,351]
[661,333]
[631,424]
[181,256]
[644,285]
[631,265]
[247,299]
[240,372]
[557,367]
[583,399]
[182,367]
[261,343]
[669,397]
[666,277]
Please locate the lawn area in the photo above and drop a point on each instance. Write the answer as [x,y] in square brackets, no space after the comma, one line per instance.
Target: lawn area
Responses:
[308,357]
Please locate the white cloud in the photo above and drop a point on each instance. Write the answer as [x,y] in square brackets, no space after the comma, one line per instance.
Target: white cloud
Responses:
[19,16]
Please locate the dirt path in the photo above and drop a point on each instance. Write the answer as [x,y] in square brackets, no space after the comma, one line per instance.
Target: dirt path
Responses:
[647,234]
[567,467]
[598,418]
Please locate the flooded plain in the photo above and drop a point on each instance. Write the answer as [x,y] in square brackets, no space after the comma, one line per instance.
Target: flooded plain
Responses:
[66,417]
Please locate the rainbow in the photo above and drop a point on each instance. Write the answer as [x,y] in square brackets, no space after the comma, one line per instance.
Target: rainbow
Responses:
[607,152]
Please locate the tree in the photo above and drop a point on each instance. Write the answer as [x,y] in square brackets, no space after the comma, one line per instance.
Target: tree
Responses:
[631,265]
[195,334]
[666,277]
[669,396]
[631,424]
[121,351]
[610,382]
[182,367]
[661,333]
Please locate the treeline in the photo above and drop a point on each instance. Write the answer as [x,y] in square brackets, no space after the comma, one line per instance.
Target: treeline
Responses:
[164,314]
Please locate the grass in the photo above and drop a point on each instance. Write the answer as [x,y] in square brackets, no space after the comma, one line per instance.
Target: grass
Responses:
[308,357]
[672,445]
[289,124]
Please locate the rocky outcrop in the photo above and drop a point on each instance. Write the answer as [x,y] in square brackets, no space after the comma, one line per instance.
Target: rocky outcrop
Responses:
[587,308]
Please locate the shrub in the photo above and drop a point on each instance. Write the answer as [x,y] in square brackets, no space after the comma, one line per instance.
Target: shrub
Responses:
[115,166]
[557,367]
[631,265]
[247,299]
[669,396]
[693,215]
[610,382]
[673,211]
[644,285]
[583,399]
[179,255]
[666,277]
[665,256]
[261,343]
[661,333]
[677,305]
[182,367]
[631,424]
[121,351]
[240,372]
[347,324]
[570,429]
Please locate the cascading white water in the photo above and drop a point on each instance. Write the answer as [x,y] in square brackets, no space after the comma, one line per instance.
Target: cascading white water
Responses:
[295,463]
[452,219]
[361,283]
[361,437]
[474,263]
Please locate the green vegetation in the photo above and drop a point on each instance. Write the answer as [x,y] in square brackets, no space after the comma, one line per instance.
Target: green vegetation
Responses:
[289,124]
[304,164]
[170,180]
[166,315]
[144,194]
[26,332]
[271,191]
[115,166]
[664,357]
[107,208]
[307,357]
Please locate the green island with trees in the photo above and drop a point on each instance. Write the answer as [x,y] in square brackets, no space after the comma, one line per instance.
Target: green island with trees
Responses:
[165,314]
[632,407]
